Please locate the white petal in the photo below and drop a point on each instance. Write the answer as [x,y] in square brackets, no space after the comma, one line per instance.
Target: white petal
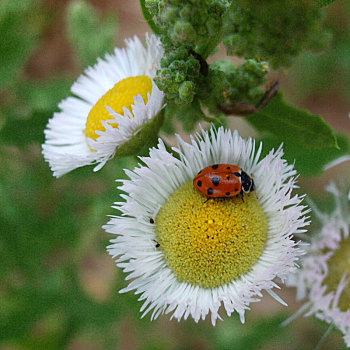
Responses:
[314,266]
[66,147]
[149,187]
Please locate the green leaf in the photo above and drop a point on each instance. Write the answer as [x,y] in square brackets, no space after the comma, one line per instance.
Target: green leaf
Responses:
[323,3]
[23,132]
[310,73]
[32,105]
[294,125]
[261,334]
[148,18]
[89,37]
[20,24]
[46,96]
[308,162]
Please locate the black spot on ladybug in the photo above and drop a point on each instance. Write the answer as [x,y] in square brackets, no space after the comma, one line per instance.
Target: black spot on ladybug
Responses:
[215,181]
[236,189]
[228,168]
[227,193]
[151,221]
[199,183]
[227,177]
[210,191]
[215,166]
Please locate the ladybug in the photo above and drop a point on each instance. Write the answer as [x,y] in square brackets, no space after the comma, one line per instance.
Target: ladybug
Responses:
[222,181]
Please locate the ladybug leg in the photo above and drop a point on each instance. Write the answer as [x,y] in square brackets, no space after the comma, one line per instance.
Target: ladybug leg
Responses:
[157,244]
[206,200]
[242,195]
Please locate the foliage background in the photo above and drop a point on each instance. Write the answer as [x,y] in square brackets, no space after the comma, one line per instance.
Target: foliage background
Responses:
[58,286]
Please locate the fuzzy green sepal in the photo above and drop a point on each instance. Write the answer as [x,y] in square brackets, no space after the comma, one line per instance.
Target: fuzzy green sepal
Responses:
[144,136]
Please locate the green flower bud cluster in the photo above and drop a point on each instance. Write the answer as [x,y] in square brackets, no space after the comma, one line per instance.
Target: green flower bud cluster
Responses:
[190,31]
[227,84]
[194,23]
[274,30]
[178,75]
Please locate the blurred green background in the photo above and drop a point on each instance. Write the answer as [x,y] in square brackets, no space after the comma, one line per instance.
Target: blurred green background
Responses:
[58,286]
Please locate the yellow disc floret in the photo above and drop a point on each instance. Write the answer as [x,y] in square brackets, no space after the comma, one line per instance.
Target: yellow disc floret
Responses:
[338,264]
[210,243]
[121,95]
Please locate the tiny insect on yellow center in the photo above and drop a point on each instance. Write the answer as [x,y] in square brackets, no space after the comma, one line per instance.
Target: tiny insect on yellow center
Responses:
[338,264]
[121,95]
[210,243]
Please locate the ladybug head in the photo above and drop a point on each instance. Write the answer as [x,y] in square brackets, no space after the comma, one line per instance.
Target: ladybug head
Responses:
[247,182]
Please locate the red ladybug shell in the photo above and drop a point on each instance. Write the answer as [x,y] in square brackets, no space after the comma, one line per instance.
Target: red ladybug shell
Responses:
[219,180]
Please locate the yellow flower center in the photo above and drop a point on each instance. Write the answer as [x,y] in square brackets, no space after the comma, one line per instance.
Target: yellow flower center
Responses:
[338,264]
[210,243]
[121,95]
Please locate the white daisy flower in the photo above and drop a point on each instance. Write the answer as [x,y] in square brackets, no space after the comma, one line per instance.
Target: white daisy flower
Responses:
[325,270]
[116,102]
[187,255]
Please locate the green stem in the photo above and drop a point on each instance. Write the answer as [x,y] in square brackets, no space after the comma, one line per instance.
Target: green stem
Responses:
[148,18]
[212,44]
[325,335]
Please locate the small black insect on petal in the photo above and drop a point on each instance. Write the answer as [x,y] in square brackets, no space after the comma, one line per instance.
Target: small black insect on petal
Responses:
[210,191]
[151,221]
[215,166]
[215,181]
[199,183]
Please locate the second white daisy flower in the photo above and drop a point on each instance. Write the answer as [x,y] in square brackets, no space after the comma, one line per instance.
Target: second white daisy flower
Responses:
[114,100]
[187,255]
[323,279]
